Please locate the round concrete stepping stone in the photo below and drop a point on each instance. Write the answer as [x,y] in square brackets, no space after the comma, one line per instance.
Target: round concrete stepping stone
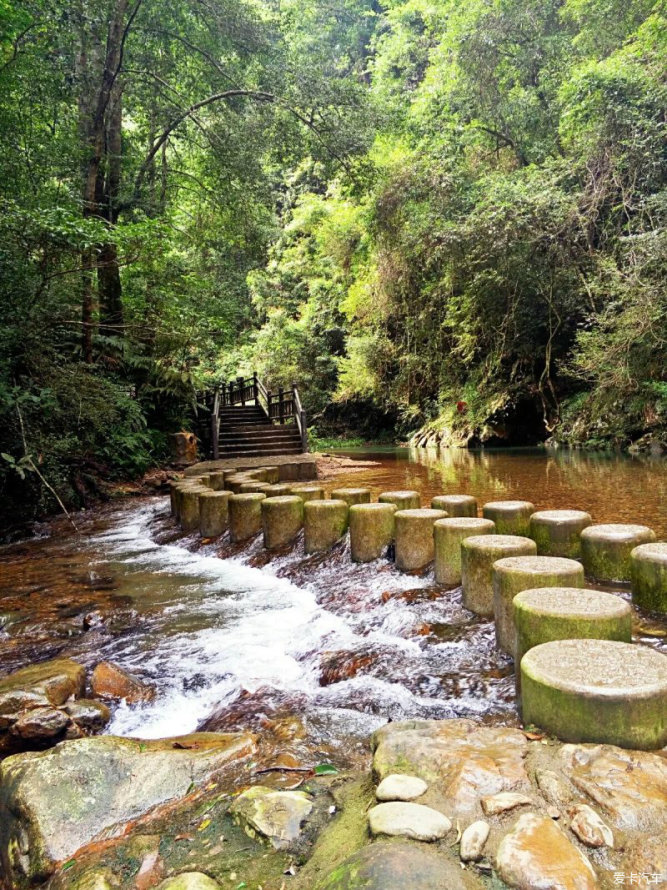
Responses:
[188,506]
[234,482]
[404,500]
[352,495]
[456,504]
[399,787]
[308,492]
[213,513]
[245,515]
[648,571]
[282,518]
[324,523]
[478,554]
[545,614]
[448,534]
[261,487]
[414,538]
[510,517]
[517,573]
[558,532]
[260,474]
[413,820]
[216,480]
[473,840]
[537,854]
[278,489]
[371,530]
[271,474]
[606,549]
[597,691]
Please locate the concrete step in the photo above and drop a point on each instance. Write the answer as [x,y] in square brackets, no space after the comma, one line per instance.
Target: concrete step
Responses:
[259,451]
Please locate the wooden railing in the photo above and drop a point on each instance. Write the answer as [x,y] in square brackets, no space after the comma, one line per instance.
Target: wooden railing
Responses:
[282,407]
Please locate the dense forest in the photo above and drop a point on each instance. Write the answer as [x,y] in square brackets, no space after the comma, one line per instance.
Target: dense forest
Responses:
[436,217]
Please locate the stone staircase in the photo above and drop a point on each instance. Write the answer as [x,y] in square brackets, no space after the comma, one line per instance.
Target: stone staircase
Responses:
[246,431]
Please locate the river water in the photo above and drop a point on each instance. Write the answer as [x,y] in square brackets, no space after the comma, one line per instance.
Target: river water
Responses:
[231,639]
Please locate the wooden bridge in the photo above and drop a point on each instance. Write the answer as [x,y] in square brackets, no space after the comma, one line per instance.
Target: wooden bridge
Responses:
[247,420]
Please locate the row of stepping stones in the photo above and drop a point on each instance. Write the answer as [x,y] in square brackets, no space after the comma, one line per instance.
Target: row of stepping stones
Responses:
[578,674]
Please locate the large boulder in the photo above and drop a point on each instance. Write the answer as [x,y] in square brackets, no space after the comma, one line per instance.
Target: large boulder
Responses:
[54,802]
[112,682]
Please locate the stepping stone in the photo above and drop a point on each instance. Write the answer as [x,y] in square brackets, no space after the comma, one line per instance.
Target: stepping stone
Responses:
[517,573]
[473,840]
[558,532]
[213,513]
[282,518]
[412,820]
[324,523]
[245,516]
[569,613]
[648,572]
[448,534]
[606,549]
[456,504]
[404,500]
[188,506]
[400,787]
[371,530]
[308,492]
[414,538]
[510,517]
[261,487]
[537,854]
[352,495]
[597,691]
[478,554]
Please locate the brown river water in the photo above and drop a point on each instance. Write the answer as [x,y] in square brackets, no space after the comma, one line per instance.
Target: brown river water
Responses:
[312,647]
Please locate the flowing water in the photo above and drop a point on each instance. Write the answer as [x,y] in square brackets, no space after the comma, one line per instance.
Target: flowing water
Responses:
[230,637]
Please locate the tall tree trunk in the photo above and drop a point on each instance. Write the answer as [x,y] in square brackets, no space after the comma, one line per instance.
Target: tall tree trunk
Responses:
[108,272]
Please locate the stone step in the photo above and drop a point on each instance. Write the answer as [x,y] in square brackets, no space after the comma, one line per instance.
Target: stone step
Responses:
[260,452]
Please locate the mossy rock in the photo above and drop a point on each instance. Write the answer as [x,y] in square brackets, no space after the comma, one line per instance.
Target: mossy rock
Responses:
[448,534]
[606,550]
[545,614]
[648,571]
[558,532]
[510,517]
[414,538]
[217,480]
[371,530]
[245,516]
[478,554]
[352,496]
[404,500]
[456,505]
[324,523]
[282,519]
[599,691]
[513,574]
[213,513]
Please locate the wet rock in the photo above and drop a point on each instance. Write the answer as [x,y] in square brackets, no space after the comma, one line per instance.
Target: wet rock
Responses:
[503,802]
[400,787]
[397,866]
[49,683]
[629,786]
[646,856]
[90,715]
[553,787]
[463,760]
[399,819]
[189,880]
[589,827]
[277,815]
[94,879]
[41,724]
[536,854]
[112,682]
[340,665]
[56,801]
[472,841]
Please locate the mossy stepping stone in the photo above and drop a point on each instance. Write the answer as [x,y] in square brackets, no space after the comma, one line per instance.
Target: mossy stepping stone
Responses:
[414,538]
[278,489]
[234,482]
[404,500]
[448,534]
[606,549]
[478,554]
[352,495]
[188,506]
[514,574]
[510,517]
[324,523]
[558,532]
[544,614]
[245,515]
[308,492]
[600,691]
[371,530]
[456,504]
[648,571]
[282,518]
[213,513]
[261,487]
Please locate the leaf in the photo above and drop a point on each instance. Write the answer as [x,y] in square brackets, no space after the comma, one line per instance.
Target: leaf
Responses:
[69,864]
[204,825]
[325,769]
